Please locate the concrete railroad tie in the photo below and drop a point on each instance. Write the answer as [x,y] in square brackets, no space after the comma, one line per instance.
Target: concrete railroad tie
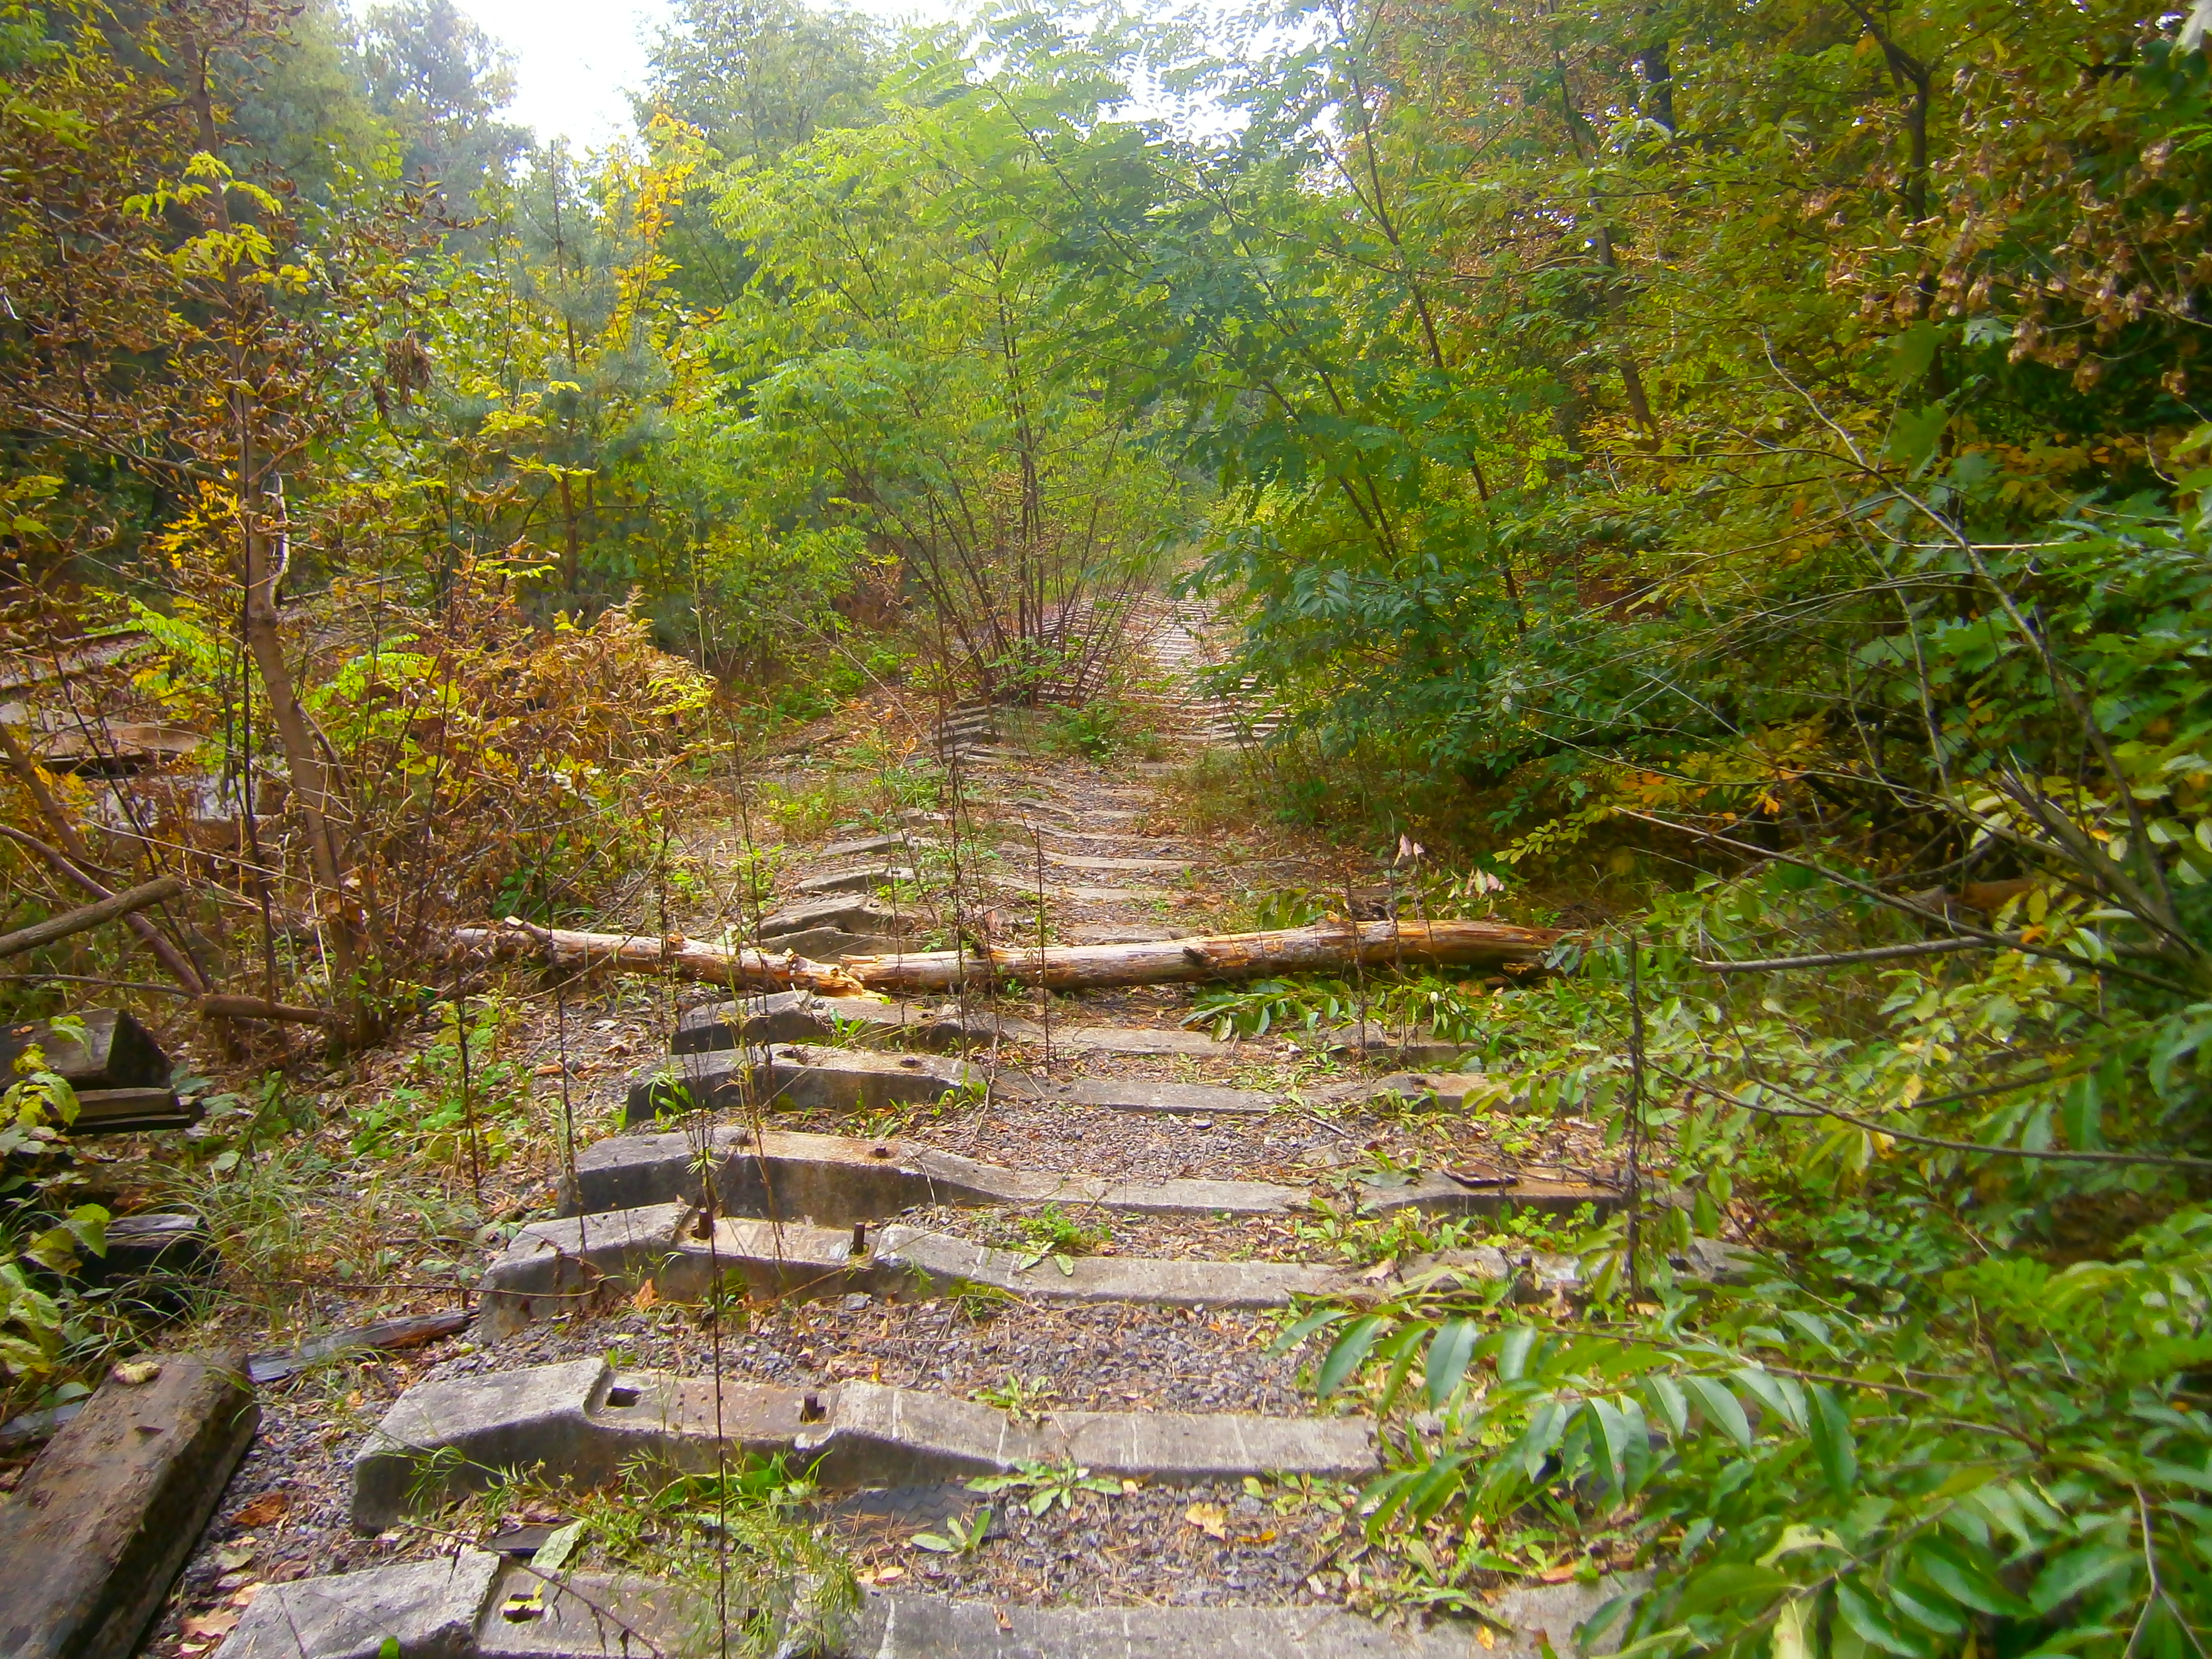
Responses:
[554,1268]
[579,1422]
[837,1180]
[475,1605]
[793,1076]
[803,1017]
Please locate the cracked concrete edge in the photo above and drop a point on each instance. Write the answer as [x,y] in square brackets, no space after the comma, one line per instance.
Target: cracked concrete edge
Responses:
[803,1017]
[553,1268]
[474,1605]
[838,1180]
[797,1077]
[801,1077]
[578,1422]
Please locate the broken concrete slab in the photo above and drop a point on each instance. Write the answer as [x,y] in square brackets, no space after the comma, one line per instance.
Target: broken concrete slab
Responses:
[574,1420]
[874,1436]
[579,1423]
[853,849]
[1380,1043]
[431,1609]
[1171,1099]
[117,1052]
[800,1016]
[472,1605]
[137,1242]
[1139,1040]
[476,1606]
[797,1078]
[132,1111]
[932,1627]
[1452,1091]
[776,1016]
[554,1268]
[1086,861]
[854,881]
[850,915]
[837,1179]
[829,944]
[1440,1195]
[107,1516]
[1717,1262]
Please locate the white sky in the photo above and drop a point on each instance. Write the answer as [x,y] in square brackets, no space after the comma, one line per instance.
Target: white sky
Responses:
[575,59]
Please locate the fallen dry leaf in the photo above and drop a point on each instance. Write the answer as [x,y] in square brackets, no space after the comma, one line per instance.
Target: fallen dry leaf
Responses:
[1482,1635]
[270,1506]
[211,1626]
[1558,1575]
[645,1296]
[132,1373]
[1211,1519]
[243,1597]
[886,1575]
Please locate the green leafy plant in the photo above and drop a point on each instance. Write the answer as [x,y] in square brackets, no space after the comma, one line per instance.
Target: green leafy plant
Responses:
[977,1303]
[42,1238]
[1048,1486]
[467,1104]
[1021,1399]
[960,1536]
[1053,1233]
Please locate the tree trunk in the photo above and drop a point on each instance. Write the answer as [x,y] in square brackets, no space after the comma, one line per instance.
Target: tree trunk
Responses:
[87,916]
[1059,967]
[310,779]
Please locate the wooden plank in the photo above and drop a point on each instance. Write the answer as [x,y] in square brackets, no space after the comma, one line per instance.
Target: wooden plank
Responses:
[410,1333]
[113,1507]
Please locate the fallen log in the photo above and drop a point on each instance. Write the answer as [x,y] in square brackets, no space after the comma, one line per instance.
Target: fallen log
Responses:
[748,969]
[1060,967]
[89,915]
[239,1007]
[1226,956]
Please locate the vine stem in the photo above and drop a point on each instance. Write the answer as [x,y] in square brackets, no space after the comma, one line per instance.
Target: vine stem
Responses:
[1635,1116]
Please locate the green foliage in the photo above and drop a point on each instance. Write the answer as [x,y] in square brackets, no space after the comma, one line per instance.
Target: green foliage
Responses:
[1786,1460]
[1048,1486]
[1103,726]
[43,1237]
[911,384]
[961,1536]
[740,1540]
[1955,1397]
[1018,1397]
[466,1104]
